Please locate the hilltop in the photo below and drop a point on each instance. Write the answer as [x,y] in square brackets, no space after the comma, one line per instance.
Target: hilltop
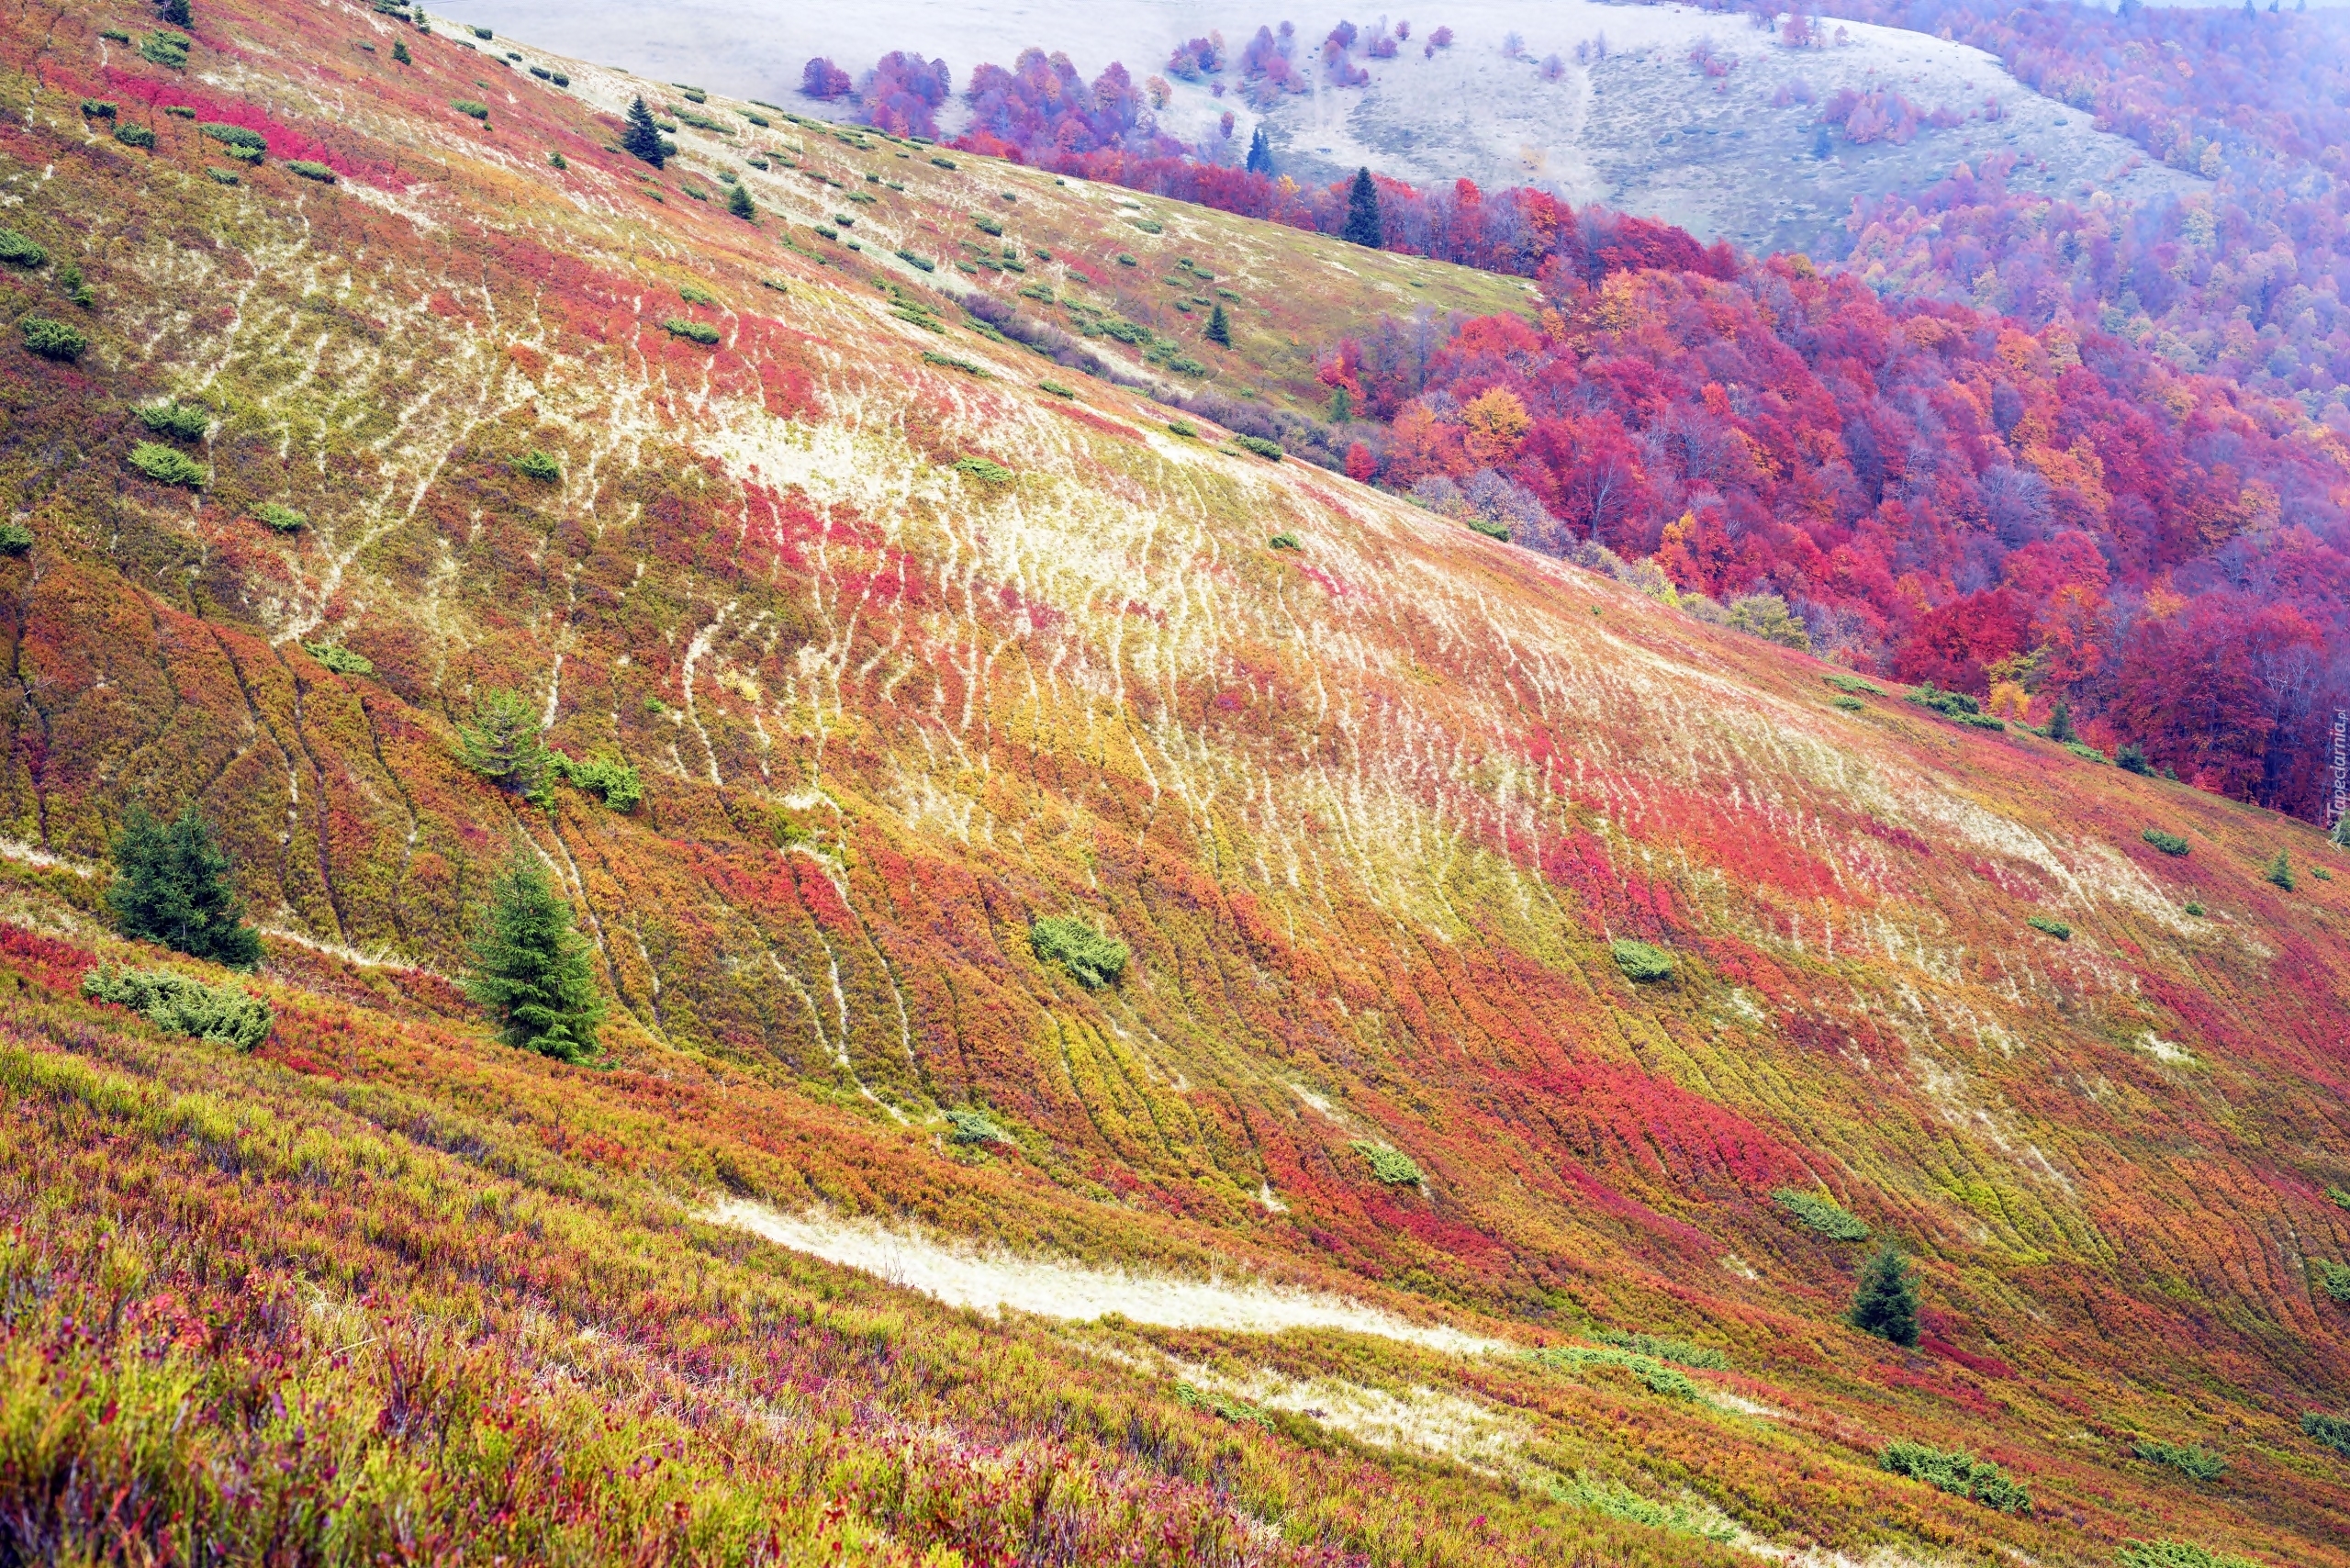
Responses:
[1531,994]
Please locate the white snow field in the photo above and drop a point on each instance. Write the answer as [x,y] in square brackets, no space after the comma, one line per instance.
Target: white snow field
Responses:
[987,1279]
[1640,129]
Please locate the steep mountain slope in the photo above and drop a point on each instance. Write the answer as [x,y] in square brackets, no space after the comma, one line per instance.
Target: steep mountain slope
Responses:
[915,651]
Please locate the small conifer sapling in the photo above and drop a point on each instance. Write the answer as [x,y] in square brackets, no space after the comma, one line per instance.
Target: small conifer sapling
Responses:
[641,138]
[530,968]
[171,886]
[1220,327]
[1887,1305]
[738,202]
[1364,225]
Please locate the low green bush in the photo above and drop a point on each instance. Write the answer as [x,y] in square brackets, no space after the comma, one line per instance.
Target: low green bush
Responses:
[1221,1406]
[1183,428]
[1960,1473]
[2333,1431]
[233,136]
[1824,1215]
[470,109]
[1392,1167]
[186,420]
[166,49]
[339,659]
[2335,1277]
[312,171]
[224,177]
[604,776]
[2177,1554]
[2057,928]
[2168,842]
[1948,704]
[1285,541]
[99,108]
[2279,870]
[2192,1460]
[693,294]
[1124,260]
[482,33]
[15,538]
[1490,529]
[1642,964]
[166,465]
[2086,752]
[19,250]
[1055,389]
[116,34]
[1269,449]
[944,162]
[134,136]
[695,331]
[2131,758]
[988,473]
[226,1013]
[2194,908]
[1680,1352]
[179,111]
[1848,704]
[949,361]
[243,154]
[1092,959]
[988,225]
[972,1127]
[922,264]
[539,466]
[283,519]
[54,339]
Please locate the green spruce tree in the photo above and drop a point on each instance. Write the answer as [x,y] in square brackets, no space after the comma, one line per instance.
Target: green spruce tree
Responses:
[400,53]
[501,741]
[2060,724]
[1887,1305]
[2280,871]
[1342,405]
[641,138]
[738,202]
[1220,325]
[171,886]
[1260,153]
[1363,225]
[532,968]
[175,12]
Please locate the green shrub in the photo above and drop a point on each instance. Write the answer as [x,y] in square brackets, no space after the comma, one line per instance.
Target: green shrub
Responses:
[974,1127]
[988,225]
[15,538]
[604,776]
[225,1013]
[99,108]
[285,519]
[1269,449]
[1641,962]
[339,659]
[2057,928]
[2168,842]
[19,250]
[2194,1461]
[1886,1305]
[539,466]
[2279,870]
[1766,615]
[2086,752]
[470,109]
[243,154]
[988,473]
[179,111]
[2338,1196]
[949,362]
[2335,1277]
[1680,1352]
[1127,261]
[134,136]
[53,338]
[166,49]
[1617,1501]
[1961,1474]
[694,293]
[186,420]
[1980,722]
[1948,704]
[1827,1217]
[2131,758]
[117,34]
[1093,959]
[1491,529]
[2320,873]
[233,136]
[2333,1431]
[695,331]
[1183,428]
[2176,1554]
[166,465]
[312,171]
[1284,541]
[1217,1404]
[1848,704]
[2194,908]
[1053,388]
[500,741]
[1392,1167]
[944,162]
[224,177]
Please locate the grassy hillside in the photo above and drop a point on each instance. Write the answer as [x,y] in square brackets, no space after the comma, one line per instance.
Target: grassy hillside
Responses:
[913,652]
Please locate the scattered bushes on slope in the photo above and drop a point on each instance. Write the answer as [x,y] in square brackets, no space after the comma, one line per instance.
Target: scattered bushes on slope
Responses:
[226,1013]
[1828,1218]
[1960,1473]
[1093,960]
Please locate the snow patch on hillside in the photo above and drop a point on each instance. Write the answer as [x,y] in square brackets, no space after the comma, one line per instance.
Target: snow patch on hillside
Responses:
[988,1279]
